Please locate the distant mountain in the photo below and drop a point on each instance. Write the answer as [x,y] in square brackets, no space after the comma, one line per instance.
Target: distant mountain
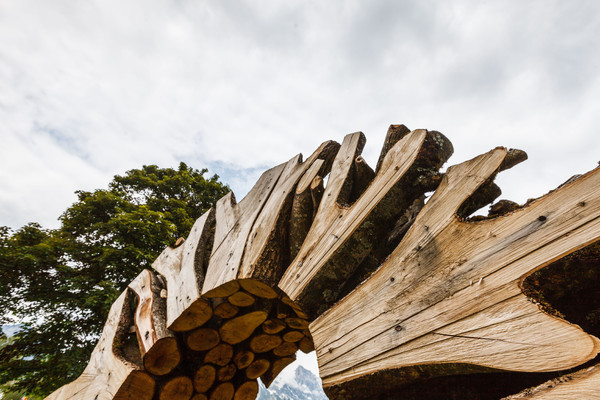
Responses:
[299,385]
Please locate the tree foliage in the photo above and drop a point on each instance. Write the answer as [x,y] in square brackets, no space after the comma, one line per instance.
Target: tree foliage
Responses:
[58,285]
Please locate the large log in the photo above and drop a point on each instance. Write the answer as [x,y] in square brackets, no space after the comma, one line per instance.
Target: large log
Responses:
[109,374]
[158,346]
[399,289]
[343,234]
[450,293]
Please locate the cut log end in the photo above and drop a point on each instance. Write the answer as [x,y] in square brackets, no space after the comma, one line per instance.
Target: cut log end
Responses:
[163,357]
[196,315]
[139,383]
[247,391]
[204,378]
[203,339]
[241,328]
[224,391]
[178,388]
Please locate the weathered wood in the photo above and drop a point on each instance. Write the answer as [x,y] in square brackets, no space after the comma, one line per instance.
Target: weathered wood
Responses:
[248,234]
[109,375]
[342,236]
[450,291]
[177,388]
[399,289]
[158,346]
[583,384]
[184,270]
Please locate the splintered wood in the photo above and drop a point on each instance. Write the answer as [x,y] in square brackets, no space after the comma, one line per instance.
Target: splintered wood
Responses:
[391,288]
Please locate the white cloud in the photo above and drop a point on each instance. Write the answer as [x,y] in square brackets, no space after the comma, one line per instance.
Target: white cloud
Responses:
[91,89]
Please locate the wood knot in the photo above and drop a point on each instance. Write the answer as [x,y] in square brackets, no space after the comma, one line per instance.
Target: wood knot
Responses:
[542,218]
[398,328]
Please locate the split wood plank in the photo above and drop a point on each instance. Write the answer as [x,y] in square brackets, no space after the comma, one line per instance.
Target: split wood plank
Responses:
[247,233]
[450,292]
[108,375]
[339,237]
[183,269]
[158,345]
[583,384]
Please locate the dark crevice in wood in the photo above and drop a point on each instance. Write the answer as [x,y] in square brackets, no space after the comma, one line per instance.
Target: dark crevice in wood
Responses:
[568,288]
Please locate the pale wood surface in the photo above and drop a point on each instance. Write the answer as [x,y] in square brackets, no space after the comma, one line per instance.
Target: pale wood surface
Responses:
[582,385]
[108,375]
[450,291]
[242,288]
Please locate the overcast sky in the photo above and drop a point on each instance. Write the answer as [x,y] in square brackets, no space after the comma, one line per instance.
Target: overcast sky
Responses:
[90,89]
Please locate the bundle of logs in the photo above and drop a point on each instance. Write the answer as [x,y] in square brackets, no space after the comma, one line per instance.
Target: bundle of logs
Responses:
[400,293]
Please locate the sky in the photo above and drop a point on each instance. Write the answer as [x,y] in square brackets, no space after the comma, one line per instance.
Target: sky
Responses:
[91,89]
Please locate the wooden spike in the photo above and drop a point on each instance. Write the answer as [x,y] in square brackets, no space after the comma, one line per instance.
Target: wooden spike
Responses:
[293,336]
[273,326]
[109,375]
[342,236]
[262,343]
[241,299]
[177,388]
[220,355]
[246,391]
[204,378]
[234,223]
[257,368]
[183,268]
[203,339]
[227,372]
[223,391]
[394,134]
[226,310]
[243,358]
[285,349]
[241,328]
[266,255]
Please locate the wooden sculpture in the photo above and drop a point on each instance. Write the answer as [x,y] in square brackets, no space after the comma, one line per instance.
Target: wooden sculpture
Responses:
[389,286]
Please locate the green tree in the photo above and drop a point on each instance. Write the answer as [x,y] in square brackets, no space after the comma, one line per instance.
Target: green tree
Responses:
[59,284]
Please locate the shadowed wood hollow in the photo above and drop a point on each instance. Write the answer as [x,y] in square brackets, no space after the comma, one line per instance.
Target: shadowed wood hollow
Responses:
[399,292]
